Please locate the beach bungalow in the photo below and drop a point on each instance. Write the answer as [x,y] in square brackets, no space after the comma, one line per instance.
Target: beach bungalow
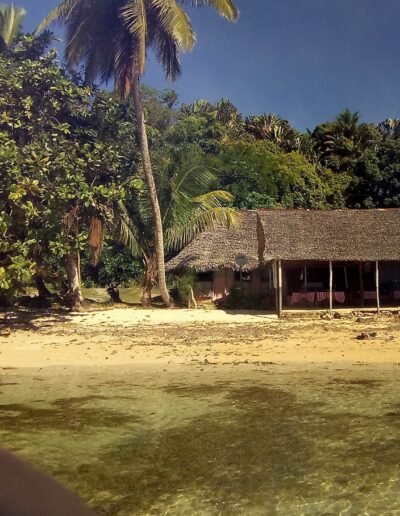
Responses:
[299,258]
[212,255]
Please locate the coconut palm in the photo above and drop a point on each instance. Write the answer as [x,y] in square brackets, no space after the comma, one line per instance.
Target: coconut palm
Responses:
[187,208]
[110,38]
[10,24]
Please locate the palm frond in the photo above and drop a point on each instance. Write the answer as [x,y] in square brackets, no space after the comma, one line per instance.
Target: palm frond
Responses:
[77,43]
[167,52]
[185,184]
[214,199]
[125,67]
[225,8]
[60,14]
[181,233]
[127,234]
[173,20]
[10,23]
[193,180]
[134,17]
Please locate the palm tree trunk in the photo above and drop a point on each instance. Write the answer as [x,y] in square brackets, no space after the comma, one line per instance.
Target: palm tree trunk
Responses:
[74,294]
[149,279]
[155,207]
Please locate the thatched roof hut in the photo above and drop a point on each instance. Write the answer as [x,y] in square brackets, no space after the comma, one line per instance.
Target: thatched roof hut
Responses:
[217,248]
[336,235]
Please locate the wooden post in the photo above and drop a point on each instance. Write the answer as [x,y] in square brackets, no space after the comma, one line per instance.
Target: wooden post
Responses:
[275,284]
[280,304]
[330,287]
[378,304]
[361,278]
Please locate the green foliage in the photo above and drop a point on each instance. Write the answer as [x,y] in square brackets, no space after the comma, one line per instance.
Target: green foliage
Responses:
[376,181]
[159,107]
[182,285]
[206,126]
[56,164]
[259,175]
[187,202]
[116,267]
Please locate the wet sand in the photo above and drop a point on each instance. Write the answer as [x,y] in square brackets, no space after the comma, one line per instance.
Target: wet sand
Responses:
[193,337]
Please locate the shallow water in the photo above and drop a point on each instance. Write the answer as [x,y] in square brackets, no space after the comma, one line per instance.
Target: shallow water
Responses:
[273,440]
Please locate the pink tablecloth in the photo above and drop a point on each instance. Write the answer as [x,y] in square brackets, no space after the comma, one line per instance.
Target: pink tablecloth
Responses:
[299,297]
[396,294]
[339,297]
[369,294]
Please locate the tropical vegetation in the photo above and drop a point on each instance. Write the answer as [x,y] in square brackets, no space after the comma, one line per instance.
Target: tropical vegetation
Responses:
[77,206]
[110,40]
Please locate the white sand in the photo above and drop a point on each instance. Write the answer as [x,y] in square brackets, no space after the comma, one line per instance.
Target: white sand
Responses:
[191,337]
[154,317]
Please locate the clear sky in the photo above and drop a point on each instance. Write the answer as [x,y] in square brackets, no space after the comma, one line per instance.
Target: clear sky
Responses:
[302,59]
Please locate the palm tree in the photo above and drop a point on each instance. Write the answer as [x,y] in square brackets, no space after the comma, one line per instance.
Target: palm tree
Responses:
[275,129]
[10,24]
[187,208]
[110,38]
[341,142]
[348,123]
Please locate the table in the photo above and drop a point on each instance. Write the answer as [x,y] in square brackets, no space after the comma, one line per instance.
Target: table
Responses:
[369,294]
[338,296]
[316,297]
[299,297]
[396,294]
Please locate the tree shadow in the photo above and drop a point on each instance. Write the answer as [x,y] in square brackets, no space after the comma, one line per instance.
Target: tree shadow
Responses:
[26,318]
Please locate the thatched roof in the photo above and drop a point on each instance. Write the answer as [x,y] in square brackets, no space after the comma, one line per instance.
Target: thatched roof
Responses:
[337,235]
[298,235]
[217,248]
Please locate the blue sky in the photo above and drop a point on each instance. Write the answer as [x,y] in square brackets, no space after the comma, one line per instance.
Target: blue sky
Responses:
[302,59]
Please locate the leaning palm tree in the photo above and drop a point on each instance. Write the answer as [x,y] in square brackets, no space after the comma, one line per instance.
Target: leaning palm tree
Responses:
[10,24]
[187,208]
[110,39]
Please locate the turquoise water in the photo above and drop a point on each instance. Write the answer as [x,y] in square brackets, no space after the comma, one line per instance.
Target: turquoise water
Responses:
[270,440]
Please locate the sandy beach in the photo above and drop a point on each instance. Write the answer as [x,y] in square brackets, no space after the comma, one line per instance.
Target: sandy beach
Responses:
[201,338]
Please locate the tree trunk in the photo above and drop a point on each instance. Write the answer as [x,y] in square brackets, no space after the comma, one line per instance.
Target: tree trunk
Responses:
[146,294]
[149,279]
[113,292]
[43,291]
[155,207]
[74,294]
